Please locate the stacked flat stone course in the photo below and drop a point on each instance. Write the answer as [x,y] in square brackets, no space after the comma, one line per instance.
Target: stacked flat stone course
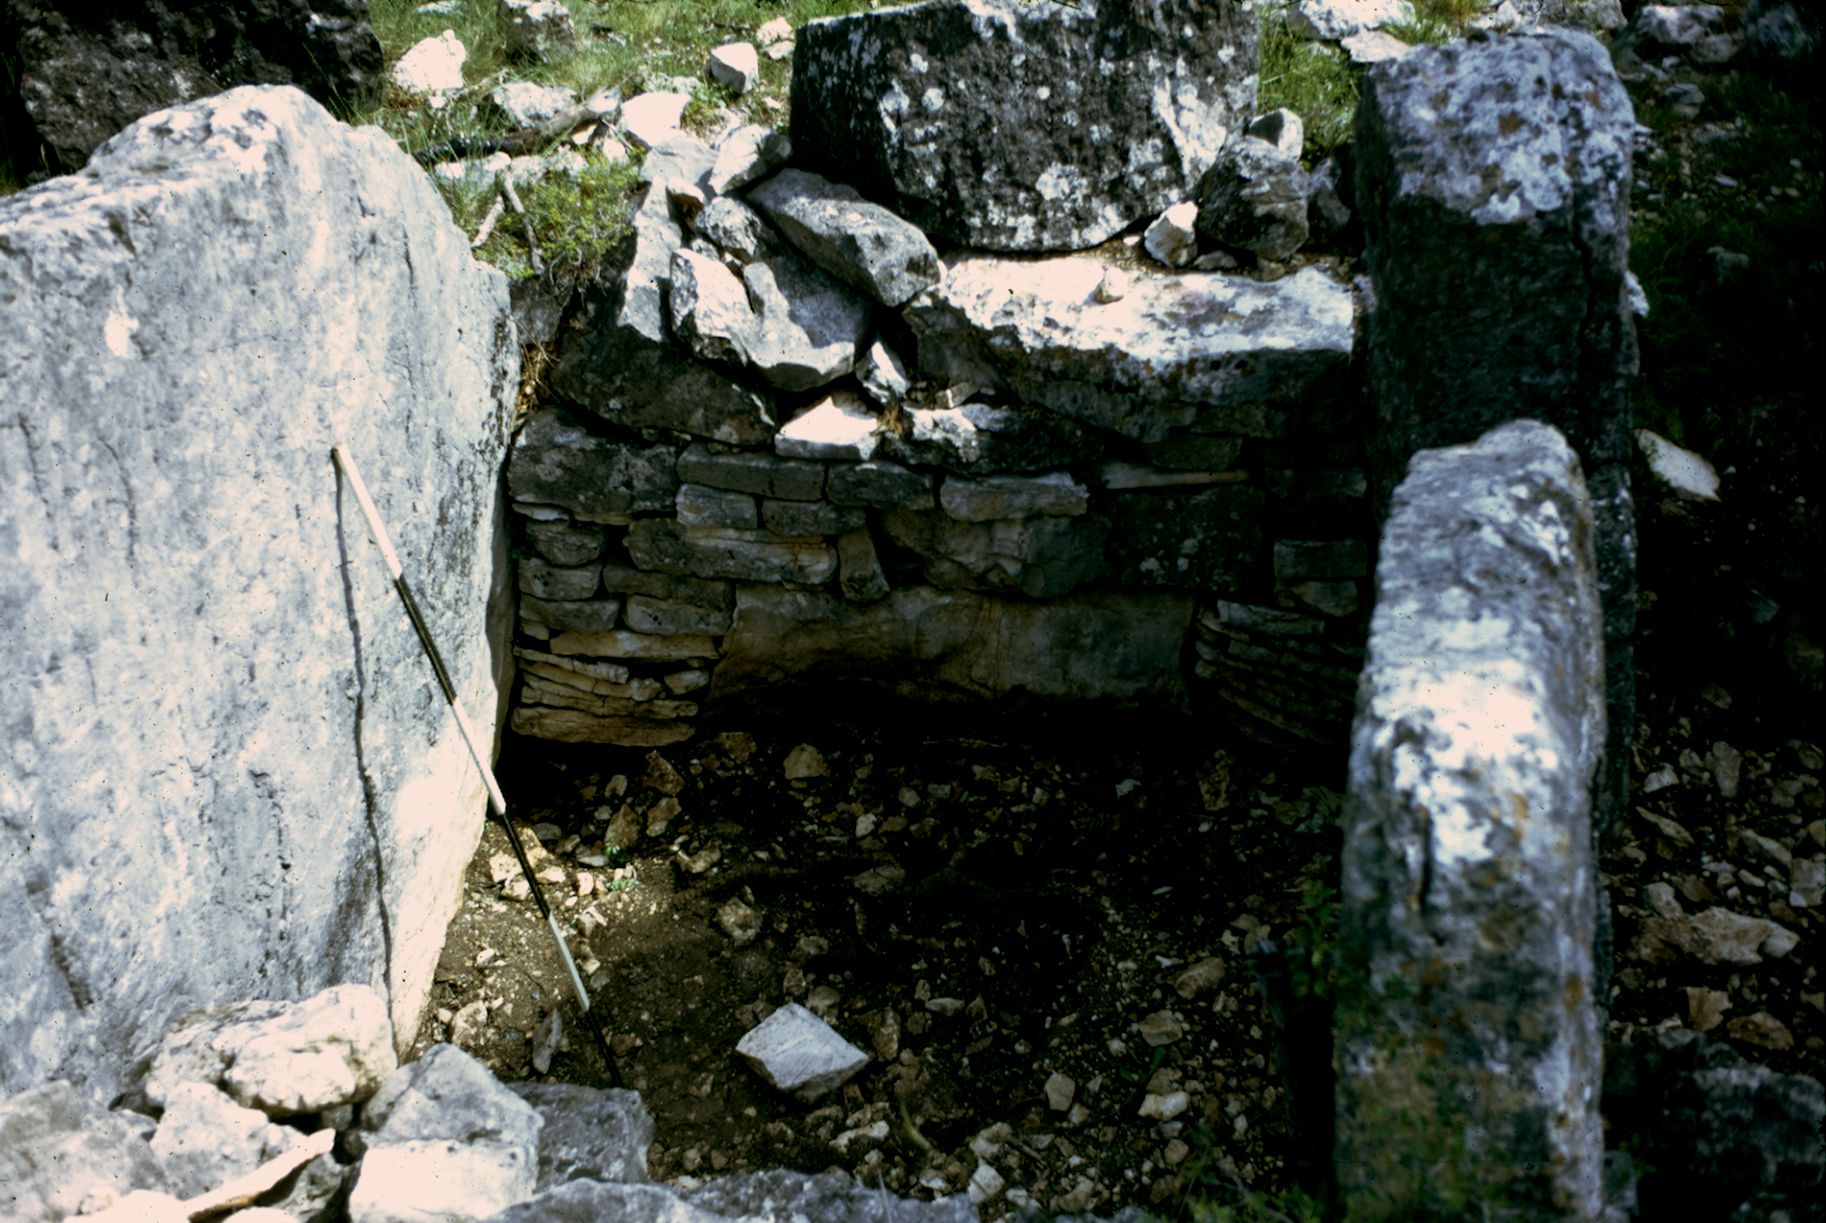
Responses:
[796,437]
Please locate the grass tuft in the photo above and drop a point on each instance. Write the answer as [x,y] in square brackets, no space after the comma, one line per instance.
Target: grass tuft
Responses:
[1316,82]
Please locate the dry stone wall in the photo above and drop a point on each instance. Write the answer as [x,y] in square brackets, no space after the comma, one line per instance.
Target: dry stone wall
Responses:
[798,438]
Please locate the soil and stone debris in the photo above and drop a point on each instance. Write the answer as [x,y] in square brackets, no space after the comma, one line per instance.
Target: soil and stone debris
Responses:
[1042,941]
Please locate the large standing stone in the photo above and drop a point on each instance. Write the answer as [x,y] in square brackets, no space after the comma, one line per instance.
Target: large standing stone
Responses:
[1213,352]
[1467,1026]
[948,643]
[81,72]
[1015,126]
[225,774]
[629,369]
[1504,164]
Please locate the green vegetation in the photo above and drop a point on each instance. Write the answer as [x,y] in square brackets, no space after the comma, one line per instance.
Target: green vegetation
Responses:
[631,45]
[1312,944]
[1314,80]
[1435,21]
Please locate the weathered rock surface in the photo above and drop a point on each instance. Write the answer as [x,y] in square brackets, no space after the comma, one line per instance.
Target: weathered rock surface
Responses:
[556,461]
[807,326]
[444,1138]
[280,1057]
[1254,199]
[205,1139]
[588,1134]
[1204,350]
[1469,888]
[1505,163]
[57,1149]
[629,369]
[860,243]
[84,72]
[991,122]
[798,1052]
[1723,1135]
[1042,558]
[950,642]
[225,772]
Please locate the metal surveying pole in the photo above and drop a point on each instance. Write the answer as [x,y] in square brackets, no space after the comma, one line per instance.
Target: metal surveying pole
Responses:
[497,802]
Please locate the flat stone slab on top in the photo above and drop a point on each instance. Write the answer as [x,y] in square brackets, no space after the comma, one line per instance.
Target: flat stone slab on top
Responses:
[1015,126]
[1215,352]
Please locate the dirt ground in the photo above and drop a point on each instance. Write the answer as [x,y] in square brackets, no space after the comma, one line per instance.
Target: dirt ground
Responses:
[1043,939]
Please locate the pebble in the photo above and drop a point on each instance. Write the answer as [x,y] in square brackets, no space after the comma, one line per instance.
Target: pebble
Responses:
[661,776]
[1059,1092]
[1164,1107]
[739,921]
[1201,978]
[1161,1028]
[805,762]
[1762,1029]
[986,1184]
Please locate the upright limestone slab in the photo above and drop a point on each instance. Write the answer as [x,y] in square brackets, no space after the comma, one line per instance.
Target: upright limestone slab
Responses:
[1468,1037]
[1017,126]
[223,771]
[1493,181]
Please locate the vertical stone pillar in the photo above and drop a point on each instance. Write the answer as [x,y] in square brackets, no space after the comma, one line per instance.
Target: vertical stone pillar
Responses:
[1494,178]
[1469,1044]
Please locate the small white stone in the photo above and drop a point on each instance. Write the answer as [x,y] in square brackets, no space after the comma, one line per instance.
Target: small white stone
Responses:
[432,65]
[1173,237]
[986,1184]
[736,66]
[651,119]
[1687,473]
[1059,1092]
[839,427]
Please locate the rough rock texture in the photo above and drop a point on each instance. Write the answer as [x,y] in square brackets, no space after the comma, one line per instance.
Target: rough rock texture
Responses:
[281,1057]
[991,122]
[758,1197]
[1723,1137]
[78,73]
[588,1134]
[1468,1035]
[1213,352]
[1254,198]
[57,1149]
[225,773]
[862,244]
[798,1052]
[630,371]
[1505,164]
[950,643]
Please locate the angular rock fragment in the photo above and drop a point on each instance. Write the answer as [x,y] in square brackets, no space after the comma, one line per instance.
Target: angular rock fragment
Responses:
[807,327]
[1254,199]
[736,66]
[860,243]
[991,122]
[840,426]
[630,371]
[709,309]
[799,1053]
[282,1058]
[749,153]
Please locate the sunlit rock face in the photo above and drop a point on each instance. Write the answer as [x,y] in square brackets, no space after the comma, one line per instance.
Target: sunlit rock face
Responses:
[227,774]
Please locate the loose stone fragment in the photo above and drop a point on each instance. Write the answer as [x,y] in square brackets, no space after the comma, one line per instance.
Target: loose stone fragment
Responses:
[1060,1090]
[736,66]
[862,244]
[805,762]
[799,1053]
[741,922]
[1173,238]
